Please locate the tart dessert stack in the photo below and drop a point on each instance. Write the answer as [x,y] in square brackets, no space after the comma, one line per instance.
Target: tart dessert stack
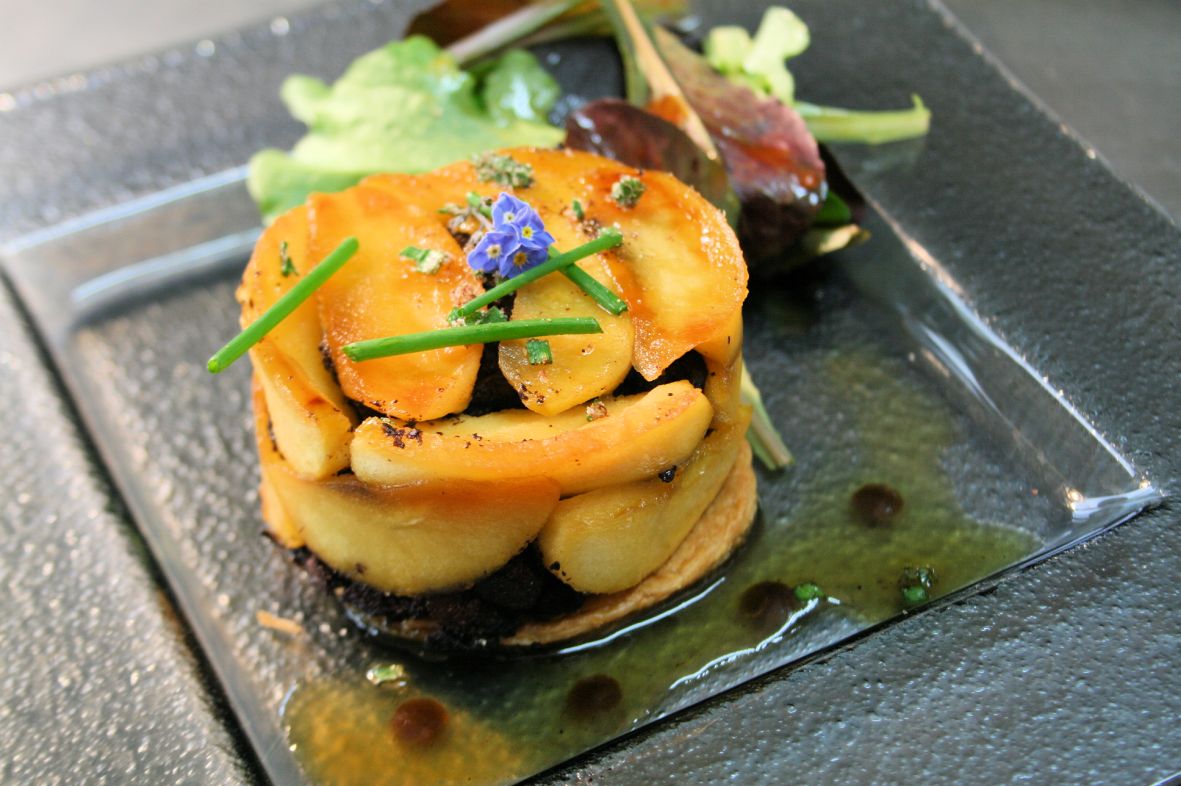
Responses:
[483,495]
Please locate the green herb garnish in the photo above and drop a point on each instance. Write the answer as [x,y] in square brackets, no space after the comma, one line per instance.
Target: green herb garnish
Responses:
[488,316]
[576,206]
[505,170]
[807,591]
[627,190]
[913,596]
[539,352]
[611,302]
[915,584]
[425,260]
[610,238]
[479,204]
[282,307]
[462,335]
[286,266]
[387,672]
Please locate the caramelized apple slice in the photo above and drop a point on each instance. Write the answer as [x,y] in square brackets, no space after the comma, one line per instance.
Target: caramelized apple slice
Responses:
[311,421]
[680,267]
[609,539]
[379,293]
[407,540]
[584,366]
[654,431]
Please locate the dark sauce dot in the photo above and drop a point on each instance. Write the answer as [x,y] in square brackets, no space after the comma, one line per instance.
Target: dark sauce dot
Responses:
[593,696]
[668,475]
[767,604]
[876,504]
[419,721]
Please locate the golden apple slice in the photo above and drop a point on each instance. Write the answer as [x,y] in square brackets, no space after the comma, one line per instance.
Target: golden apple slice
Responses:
[609,539]
[311,421]
[312,432]
[680,268]
[656,430]
[379,293]
[406,540]
[584,366]
[723,388]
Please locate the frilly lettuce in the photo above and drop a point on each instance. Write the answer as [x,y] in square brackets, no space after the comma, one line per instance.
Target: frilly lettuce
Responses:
[406,107]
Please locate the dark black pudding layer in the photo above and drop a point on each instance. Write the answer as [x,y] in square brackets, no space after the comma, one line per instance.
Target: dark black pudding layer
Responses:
[495,607]
[690,366]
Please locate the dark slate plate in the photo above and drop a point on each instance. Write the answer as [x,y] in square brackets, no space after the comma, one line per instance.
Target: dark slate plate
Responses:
[999,207]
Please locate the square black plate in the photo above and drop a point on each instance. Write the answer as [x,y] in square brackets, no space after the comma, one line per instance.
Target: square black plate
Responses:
[149,293]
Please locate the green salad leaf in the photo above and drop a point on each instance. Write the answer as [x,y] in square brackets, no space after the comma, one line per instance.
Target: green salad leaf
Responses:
[406,107]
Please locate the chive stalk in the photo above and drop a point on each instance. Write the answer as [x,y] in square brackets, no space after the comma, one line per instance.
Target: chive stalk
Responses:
[610,302]
[282,308]
[461,335]
[610,238]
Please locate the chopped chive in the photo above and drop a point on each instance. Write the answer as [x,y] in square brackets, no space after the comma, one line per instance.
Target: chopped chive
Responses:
[282,307]
[502,169]
[807,591]
[477,203]
[591,286]
[539,352]
[386,672]
[462,335]
[286,266]
[576,206]
[627,190]
[913,596]
[486,317]
[425,260]
[610,238]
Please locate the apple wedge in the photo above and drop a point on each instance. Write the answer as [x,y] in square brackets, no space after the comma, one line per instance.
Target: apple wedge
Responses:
[407,540]
[609,539]
[380,293]
[311,421]
[584,366]
[650,433]
[680,268]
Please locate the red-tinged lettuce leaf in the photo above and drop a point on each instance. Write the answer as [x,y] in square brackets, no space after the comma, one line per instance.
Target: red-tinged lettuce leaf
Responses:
[616,129]
[774,162]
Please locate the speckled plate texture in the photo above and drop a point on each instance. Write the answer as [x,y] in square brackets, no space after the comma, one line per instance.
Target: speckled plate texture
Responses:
[1061,673]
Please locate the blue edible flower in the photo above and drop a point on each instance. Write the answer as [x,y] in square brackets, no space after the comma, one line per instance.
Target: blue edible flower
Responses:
[517,241]
[523,258]
[493,249]
[510,211]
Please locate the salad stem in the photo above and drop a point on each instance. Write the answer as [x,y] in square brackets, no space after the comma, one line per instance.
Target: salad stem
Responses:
[467,334]
[282,308]
[508,29]
[648,78]
[764,439]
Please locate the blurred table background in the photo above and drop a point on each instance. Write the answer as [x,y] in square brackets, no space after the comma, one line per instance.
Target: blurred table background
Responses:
[1111,70]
